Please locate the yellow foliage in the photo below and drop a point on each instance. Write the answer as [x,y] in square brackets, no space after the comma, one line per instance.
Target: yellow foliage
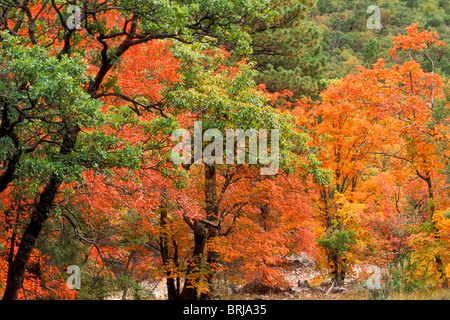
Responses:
[317,280]
[442,220]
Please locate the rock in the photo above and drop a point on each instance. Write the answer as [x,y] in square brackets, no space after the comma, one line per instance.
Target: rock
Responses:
[341,290]
[306,260]
[300,260]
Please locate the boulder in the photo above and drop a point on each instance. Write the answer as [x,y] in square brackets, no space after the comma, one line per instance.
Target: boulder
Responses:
[300,260]
[341,290]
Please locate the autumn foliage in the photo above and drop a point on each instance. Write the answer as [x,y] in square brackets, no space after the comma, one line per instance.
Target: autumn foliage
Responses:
[363,177]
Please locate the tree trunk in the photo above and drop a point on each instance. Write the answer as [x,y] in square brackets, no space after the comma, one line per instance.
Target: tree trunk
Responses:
[8,175]
[39,216]
[190,284]
[177,282]
[128,278]
[212,215]
[18,210]
[439,264]
[172,293]
[338,273]
[6,130]
[172,288]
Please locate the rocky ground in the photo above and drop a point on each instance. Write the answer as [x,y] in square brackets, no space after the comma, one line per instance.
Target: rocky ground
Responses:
[302,281]
[300,276]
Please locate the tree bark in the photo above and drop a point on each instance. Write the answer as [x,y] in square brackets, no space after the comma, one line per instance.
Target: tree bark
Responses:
[18,210]
[7,130]
[8,175]
[190,284]
[131,257]
[212,215]
[172,287]
[39,216]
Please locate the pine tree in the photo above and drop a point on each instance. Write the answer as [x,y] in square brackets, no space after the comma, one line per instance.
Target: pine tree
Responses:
[288,53]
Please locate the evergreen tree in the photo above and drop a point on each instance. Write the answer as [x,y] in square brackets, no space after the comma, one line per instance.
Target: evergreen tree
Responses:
[289,53]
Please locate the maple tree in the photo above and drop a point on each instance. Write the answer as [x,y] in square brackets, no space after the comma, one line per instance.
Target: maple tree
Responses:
[156,214]
[222,103]
[382,114]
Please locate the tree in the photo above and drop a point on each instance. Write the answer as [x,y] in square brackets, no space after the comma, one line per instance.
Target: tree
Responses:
[133,23]
[39,127]
[288,53]
[216,196]
[376,113]
[219,97]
